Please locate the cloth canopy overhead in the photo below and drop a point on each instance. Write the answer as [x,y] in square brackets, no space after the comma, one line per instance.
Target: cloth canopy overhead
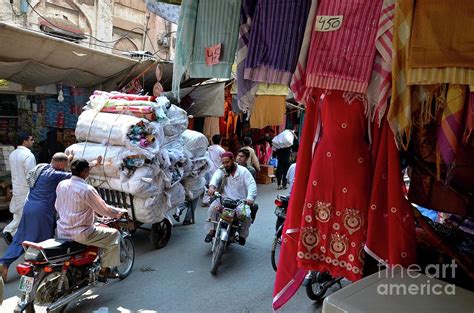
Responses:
[34,59]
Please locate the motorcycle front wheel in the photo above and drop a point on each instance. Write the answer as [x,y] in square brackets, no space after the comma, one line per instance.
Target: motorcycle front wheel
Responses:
[276,245]
[127,257]
[217,255]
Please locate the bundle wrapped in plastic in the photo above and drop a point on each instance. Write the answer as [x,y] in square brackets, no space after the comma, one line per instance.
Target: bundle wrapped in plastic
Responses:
[199,167]
[144,182]
[177,121]
[195,142]
[149,210]
[132,132]
[175,196]
[194,187]
[284,139]
[115,158]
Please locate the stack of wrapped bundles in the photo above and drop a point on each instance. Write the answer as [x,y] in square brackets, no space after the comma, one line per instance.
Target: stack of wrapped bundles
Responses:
[145,148]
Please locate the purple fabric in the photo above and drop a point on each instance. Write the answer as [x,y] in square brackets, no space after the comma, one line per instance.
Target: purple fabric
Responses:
[277,32]
[246,89]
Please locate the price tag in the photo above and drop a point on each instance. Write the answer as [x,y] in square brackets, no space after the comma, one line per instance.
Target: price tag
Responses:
[328,23]
[213,54]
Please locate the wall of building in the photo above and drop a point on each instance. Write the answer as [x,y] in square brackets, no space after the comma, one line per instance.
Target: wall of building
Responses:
[110,25]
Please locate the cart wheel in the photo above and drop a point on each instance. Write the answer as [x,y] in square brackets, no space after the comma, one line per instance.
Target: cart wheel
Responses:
[160,233]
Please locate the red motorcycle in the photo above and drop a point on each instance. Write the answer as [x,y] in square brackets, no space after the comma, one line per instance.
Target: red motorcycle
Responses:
[57,272]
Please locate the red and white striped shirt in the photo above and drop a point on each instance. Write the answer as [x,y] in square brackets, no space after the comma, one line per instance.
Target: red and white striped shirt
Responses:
[76,204]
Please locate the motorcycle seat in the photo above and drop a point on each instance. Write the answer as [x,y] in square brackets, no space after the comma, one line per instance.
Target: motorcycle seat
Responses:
[54,248]
[285,199]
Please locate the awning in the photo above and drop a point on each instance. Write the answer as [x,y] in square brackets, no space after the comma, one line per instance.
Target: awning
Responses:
[34,59]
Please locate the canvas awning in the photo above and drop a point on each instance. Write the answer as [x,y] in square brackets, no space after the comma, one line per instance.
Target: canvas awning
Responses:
[35,59]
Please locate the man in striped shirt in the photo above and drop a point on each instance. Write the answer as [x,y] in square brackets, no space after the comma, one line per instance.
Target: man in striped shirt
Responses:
[77,203]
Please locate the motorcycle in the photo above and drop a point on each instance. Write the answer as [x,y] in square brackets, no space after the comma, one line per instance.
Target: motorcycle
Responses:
[281,203]
[228,227]
[316,283]
[57,272]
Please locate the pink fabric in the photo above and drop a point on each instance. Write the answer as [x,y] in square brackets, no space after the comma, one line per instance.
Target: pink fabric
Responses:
[343,59]
[380,86]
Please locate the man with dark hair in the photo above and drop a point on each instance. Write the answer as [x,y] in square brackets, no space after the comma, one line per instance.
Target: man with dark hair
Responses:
[39,216]
[252,160]
[21,161]
[214,152]
[235,182]
[77,203]
[242,158]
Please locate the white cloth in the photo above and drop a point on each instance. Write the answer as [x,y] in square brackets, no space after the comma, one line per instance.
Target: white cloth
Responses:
[21,162]
[239,186]
[214,156]
[290,175]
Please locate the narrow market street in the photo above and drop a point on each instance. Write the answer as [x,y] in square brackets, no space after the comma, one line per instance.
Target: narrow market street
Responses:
[177,278]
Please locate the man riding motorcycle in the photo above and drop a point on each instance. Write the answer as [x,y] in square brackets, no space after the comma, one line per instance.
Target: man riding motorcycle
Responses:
[235,182]
[77,203]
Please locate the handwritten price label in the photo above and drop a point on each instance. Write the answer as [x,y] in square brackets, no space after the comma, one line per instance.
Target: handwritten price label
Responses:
[213,54]
[328,23]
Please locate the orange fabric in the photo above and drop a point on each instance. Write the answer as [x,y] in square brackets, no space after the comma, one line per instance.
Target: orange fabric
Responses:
[268,111]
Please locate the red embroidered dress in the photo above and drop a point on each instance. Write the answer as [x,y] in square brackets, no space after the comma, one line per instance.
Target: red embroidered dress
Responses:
[334,220]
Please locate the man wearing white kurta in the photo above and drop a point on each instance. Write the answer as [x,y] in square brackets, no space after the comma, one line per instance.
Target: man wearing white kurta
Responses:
[21,162]
[239,185]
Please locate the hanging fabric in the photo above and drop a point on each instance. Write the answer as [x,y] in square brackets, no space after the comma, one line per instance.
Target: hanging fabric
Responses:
[268,111]
[277,26]
[342,47]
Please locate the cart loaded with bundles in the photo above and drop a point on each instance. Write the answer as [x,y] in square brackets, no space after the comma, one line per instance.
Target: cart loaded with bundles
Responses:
[151,162]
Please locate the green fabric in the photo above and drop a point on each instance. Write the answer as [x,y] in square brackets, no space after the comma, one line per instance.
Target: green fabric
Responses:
[217,22]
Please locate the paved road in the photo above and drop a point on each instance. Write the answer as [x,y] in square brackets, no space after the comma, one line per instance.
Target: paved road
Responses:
[177,279]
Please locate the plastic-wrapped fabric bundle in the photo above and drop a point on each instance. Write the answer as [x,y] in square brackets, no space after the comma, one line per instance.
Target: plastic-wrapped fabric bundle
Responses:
[199,166]
[149,210]
[113,157]
[144,182]
[116,129]
[177,121]
[283,140]
[194,187]
[195,142]
[175,196]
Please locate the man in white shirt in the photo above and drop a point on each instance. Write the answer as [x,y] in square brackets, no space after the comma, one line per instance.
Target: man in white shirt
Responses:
[77,203]
[290,175]
[21,162]
[235,182]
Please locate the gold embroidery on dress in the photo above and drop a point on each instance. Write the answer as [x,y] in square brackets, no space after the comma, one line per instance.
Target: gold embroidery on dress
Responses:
[309,237]
[352,220]
[339,244]
[322,211]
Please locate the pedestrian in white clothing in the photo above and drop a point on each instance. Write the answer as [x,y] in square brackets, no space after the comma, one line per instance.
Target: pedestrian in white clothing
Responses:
[290,175]
[21,162]
[235,182]
[213,155]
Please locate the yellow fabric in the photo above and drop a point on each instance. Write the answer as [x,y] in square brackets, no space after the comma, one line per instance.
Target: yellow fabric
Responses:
[399,113]
[450,75]
[441,34]
[268,111]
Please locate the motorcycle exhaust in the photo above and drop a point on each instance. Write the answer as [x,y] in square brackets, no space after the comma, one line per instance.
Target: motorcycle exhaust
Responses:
[66,299]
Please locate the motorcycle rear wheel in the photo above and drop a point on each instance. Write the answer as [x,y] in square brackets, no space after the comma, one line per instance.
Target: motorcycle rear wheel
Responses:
[46,293]
[217,255]
[127,257]
[276,245]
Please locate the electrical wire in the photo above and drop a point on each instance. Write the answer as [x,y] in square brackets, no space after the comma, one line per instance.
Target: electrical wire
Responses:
[87,35]
[13,10]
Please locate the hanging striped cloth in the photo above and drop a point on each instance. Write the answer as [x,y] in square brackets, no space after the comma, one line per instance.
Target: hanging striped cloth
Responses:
[450,131]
